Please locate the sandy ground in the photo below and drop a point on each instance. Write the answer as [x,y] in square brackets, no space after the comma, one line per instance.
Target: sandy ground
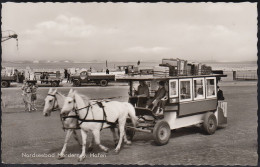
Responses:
[27,134]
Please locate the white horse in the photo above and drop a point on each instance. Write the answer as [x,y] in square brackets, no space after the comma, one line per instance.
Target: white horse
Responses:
[94,118]
[54,101]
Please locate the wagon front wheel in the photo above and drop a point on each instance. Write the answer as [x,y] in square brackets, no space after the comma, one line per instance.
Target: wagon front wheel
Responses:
[210,123]
[161,132]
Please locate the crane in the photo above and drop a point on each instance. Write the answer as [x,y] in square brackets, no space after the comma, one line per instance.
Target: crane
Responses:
[11,34]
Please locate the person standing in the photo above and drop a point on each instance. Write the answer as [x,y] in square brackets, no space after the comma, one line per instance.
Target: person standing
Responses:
[220,95]
[65,73]
[107,71]
[68,79]
[33,96]
[26,96]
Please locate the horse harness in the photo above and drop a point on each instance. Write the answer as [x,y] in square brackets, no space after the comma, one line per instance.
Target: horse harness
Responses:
[104,120]
[80,121]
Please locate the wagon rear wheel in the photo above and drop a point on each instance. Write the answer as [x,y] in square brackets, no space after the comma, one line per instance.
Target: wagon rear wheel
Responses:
[210,123]
[4,84]
[161,132]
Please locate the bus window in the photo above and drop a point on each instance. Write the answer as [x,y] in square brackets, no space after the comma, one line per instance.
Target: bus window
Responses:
[211,87]
[185,89]
[198,88]
[173,88]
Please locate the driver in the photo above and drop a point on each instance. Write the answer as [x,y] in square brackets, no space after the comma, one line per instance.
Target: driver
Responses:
[160,93]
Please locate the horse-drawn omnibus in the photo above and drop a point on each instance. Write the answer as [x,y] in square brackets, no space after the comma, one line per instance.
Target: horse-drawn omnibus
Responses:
[189,100]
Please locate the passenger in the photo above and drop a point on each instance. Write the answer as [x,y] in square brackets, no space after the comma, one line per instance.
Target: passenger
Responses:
[160,93]
[142,90]
[200,93]
[141,95]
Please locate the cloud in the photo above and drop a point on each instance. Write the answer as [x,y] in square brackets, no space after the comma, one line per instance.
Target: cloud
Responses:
[145,50]
[72,27]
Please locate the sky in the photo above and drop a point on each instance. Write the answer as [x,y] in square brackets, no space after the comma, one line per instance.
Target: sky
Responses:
[83,32]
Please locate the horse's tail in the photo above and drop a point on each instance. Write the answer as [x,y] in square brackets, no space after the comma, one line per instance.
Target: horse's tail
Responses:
[131,113]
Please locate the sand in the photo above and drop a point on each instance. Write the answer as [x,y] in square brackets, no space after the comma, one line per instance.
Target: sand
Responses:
[236,144]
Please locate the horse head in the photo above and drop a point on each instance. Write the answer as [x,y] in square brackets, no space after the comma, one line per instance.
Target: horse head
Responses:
[50,102]
[69,103]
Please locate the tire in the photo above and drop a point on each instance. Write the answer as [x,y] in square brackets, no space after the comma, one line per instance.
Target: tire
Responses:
[5,84]
[54,84]
[210,123]
[161,132]
[76,83]
[103,83]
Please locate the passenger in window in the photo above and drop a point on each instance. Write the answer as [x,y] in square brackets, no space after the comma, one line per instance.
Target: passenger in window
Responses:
[200,92]
[183,90]
[160,93]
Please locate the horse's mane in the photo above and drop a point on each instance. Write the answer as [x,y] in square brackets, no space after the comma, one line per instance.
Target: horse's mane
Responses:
[84,97]
[60,93]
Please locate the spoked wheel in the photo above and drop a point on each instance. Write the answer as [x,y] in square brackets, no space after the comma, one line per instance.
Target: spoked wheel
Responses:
[210,123]
[161,132]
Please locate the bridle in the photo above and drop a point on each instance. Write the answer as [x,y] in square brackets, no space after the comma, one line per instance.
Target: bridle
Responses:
[55,100]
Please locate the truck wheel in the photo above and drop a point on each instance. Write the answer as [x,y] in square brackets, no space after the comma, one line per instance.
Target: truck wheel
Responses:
[103,83]
[4,84]
[210,123]
[76,83]
[54,84]
[161,132]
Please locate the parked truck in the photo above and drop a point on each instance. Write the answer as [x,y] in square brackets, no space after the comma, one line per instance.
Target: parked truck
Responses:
[101,79]
[6,80]
[46,78]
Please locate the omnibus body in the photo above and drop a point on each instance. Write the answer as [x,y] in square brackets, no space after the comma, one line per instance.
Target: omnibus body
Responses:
[189,100]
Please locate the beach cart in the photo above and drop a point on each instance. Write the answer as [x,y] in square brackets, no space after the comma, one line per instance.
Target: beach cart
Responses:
[189,100]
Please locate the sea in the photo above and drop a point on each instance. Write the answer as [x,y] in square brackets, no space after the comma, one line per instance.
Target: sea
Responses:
[99,66]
